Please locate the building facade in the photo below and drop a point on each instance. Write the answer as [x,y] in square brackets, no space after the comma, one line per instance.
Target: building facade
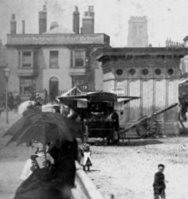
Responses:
[137,32]
[52,60]
[150,73]
[3,65]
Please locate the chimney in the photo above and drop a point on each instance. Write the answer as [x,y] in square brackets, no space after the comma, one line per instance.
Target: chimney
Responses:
[76,21]
[88,22]
[43,20]
[13,24]
[23,26]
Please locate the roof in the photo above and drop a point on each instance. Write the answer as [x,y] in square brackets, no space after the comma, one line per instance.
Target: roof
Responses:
[98,96]
[124,52]
[57,39]
[56,29]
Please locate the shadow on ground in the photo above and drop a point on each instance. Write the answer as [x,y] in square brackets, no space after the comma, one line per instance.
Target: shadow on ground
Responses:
[129,142]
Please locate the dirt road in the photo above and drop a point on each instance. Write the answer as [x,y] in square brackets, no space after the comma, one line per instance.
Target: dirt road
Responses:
[126,171]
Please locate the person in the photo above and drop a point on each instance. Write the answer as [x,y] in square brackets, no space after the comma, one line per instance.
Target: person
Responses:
[36,161]
[159,183]
[86,159]
[50,182]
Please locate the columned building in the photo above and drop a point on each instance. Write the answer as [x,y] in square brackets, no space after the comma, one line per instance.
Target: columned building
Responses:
[54,60]
[149,73]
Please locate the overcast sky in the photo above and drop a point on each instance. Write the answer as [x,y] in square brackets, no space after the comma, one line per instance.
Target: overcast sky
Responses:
[166,18]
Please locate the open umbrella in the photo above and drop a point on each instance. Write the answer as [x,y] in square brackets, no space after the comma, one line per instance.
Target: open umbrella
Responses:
[43,127]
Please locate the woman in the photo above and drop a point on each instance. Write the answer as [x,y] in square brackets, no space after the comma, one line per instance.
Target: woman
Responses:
[51,181]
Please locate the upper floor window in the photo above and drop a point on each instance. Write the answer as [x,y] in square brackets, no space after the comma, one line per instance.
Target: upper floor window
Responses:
[54,59]
[145,71]
[158,71]
[119,72]
[79,58]
[27,59]
[132,71]
[170,71]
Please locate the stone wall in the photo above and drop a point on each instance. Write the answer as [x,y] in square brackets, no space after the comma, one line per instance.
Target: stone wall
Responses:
[154,80]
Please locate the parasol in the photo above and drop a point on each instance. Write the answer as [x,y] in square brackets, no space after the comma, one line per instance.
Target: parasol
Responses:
[43,127]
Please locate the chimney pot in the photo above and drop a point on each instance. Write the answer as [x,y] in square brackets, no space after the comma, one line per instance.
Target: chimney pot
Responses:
[76,21]
[13,24]
[23,26]
[43,20]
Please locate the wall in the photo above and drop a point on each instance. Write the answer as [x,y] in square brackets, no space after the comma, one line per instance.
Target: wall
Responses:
[62,73]
[13,61]
[155,91]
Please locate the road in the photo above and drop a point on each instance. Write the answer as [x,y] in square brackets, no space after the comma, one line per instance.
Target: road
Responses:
[127,171]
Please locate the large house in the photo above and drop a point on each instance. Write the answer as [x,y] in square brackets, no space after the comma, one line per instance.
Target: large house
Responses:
[54,60]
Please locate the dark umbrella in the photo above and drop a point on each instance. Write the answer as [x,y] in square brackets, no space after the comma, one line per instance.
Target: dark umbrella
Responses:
[43,127]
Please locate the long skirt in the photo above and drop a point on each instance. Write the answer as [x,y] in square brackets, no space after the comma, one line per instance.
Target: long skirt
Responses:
[37,187]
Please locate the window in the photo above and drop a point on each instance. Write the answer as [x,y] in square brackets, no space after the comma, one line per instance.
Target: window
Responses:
[54,59]
[26,59]
[170,71]
[79,59]
[132,71]
[27,85]
[119,72]
[145,71]
[157,71]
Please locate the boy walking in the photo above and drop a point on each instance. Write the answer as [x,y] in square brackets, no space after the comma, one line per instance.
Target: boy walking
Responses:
[159,183]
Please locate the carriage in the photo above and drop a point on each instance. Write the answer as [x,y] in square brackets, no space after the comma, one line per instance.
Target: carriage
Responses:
[97,109]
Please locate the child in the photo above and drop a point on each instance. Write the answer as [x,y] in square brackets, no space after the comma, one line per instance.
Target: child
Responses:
[86,161]
[159,183]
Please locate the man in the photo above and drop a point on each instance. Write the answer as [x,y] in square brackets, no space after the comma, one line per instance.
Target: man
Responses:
[159,183]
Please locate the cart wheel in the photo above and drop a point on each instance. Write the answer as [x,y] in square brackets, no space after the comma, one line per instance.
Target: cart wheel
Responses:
[142,130]
[148,128]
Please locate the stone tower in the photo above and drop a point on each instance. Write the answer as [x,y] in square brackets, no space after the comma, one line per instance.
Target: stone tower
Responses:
[137,32]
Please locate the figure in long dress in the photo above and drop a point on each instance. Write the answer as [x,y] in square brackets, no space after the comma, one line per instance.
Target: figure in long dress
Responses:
[86,159]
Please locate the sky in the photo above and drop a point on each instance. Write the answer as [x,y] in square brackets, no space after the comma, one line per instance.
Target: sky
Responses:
[166,18]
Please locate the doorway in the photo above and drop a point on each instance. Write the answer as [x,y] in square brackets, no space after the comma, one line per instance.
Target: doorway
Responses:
[53,88]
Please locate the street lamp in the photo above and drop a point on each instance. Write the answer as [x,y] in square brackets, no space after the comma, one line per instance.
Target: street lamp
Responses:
[7,73]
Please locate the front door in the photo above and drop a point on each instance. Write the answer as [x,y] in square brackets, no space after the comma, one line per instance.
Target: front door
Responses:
[53,88]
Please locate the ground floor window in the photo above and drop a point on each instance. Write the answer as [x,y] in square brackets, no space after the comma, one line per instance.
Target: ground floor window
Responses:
[27,85]
[80,82]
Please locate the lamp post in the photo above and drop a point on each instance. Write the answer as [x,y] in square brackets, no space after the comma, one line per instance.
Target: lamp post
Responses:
[7,73]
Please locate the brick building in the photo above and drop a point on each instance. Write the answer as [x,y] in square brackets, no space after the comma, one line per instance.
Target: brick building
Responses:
[151,73]
[55,60]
